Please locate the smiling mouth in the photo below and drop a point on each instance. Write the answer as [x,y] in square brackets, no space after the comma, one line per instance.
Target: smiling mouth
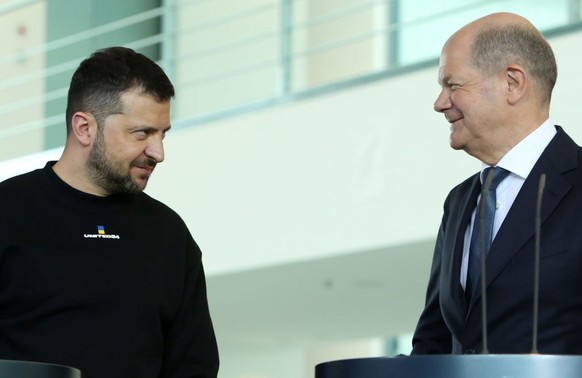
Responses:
[454,121]
[145,165]
[147,169]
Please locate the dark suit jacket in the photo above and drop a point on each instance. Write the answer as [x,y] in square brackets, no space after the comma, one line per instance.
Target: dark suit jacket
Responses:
[449,325]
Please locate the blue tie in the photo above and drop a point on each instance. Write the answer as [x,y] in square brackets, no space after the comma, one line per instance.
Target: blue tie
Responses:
[474,269]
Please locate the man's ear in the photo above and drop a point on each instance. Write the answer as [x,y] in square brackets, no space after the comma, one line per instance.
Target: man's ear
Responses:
[517,83]
[83,127]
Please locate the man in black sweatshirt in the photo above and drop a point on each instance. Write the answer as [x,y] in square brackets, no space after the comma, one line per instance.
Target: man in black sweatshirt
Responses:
[94,273]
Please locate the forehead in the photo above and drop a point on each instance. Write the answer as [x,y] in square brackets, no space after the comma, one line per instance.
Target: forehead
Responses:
[143,109]
[134,102]
[454,58]
[138,98]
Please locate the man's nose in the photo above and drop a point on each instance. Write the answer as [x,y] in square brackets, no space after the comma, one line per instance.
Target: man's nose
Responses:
[155,149]
[443,102]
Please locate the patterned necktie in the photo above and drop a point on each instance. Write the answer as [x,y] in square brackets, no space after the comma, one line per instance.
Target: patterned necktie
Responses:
[474,269]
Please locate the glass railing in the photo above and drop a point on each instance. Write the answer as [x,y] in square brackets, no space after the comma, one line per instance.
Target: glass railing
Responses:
[227,57]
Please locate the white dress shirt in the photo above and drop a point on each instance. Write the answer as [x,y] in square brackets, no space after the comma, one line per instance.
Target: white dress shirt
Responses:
[519,161]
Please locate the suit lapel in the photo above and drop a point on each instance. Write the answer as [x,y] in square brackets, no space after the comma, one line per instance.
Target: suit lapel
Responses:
[519,225]
[458,226]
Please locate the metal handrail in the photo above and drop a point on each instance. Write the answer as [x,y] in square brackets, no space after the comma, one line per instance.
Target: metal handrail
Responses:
[31,126]
[15,5]
[217,22]
[260,37]
[82,36]
[282,59]
[339,13]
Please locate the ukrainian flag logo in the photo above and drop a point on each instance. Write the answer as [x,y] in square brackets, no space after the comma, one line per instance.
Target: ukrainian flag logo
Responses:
[101,234]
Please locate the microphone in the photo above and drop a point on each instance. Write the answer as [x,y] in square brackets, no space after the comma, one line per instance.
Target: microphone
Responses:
[536,288]
[483,204]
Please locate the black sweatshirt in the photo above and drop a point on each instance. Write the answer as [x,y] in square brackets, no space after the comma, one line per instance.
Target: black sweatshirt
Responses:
[113,286]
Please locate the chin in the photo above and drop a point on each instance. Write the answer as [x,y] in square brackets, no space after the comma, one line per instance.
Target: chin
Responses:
[458,139]
[455,145]
[141,184]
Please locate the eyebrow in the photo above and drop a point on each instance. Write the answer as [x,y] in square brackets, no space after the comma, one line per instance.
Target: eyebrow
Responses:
[444,79]
[150,128]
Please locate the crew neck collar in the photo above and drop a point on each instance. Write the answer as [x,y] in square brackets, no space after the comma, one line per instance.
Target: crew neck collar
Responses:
[78,198]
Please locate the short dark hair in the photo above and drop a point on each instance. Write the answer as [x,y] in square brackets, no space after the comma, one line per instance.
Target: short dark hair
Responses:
[497,46]
[99,81]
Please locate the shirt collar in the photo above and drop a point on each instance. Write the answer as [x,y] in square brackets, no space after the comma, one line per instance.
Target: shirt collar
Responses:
[523,156]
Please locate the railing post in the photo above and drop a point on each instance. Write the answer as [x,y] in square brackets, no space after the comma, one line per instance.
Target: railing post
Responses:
[168,47]
[393,9]
[285,47]
[574,11]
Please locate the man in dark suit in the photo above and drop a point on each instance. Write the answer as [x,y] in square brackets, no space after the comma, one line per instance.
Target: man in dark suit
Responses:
[497,75]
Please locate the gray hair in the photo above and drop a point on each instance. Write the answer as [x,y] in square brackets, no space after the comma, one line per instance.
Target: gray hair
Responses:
[495,47]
